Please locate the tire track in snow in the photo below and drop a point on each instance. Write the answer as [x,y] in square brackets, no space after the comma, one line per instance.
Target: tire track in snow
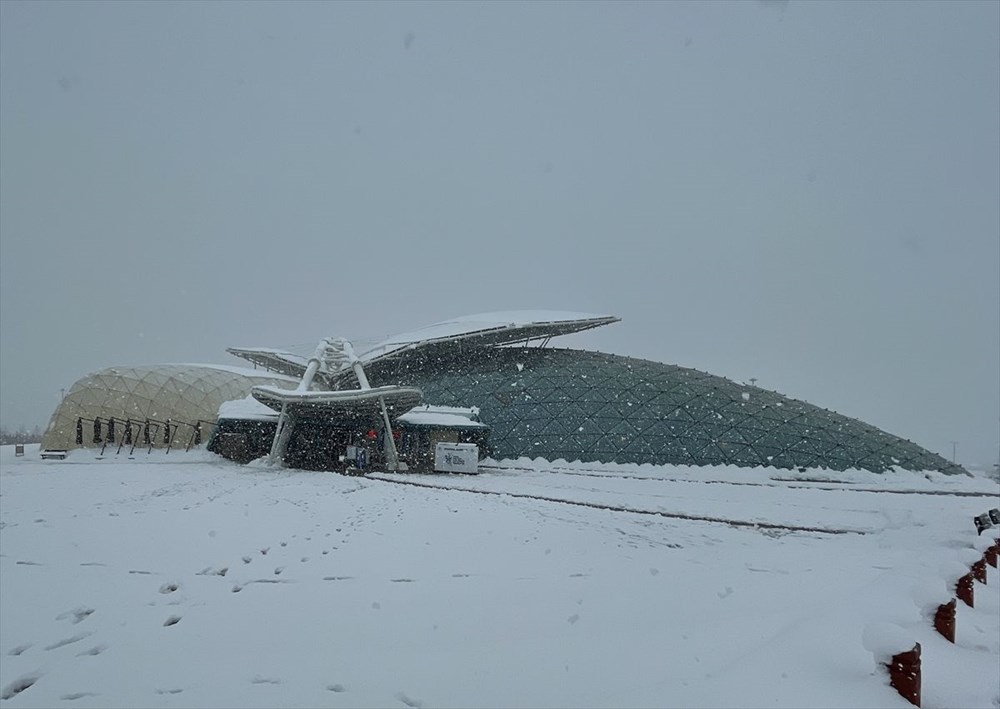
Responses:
[821,486]
[630,510]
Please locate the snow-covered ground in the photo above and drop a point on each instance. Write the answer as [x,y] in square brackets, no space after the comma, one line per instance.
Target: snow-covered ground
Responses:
[183,580]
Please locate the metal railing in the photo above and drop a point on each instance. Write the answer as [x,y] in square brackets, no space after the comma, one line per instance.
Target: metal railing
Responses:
[149,430]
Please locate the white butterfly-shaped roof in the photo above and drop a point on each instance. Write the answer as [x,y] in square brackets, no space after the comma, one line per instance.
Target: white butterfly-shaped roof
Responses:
[481,330]
[491,329]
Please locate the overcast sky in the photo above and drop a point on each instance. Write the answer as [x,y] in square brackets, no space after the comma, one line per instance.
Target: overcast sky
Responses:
[805,193]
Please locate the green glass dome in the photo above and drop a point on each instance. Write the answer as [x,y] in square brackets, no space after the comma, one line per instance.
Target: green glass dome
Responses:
[588,406]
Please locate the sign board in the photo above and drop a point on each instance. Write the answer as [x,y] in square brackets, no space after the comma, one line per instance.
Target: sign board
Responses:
[456,458]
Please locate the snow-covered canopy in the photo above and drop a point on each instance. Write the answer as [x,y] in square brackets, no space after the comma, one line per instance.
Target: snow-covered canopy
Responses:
[499,328]
[332,406]
[443,416]
[247,408]
[483,329]
[275,360]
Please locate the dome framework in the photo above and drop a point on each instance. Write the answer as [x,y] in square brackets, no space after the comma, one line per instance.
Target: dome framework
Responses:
[186,396]
[539,402]
[589,406]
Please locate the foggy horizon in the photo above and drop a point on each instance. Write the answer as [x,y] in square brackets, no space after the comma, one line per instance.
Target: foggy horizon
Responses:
[804,194]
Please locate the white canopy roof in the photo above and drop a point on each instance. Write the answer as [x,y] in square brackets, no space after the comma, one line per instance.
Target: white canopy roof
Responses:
[483,330]
[287,363]
[494,329]
[442,416]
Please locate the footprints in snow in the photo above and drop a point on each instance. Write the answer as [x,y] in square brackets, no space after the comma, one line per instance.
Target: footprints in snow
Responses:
[336,688]
[75,616]
[166,589]
[78,615]
[18,686]
[240,586]
[264,551]
[73,696]
[82,613]
[96,650]
[209,571]
[408,701]
[257,679]
[67,641]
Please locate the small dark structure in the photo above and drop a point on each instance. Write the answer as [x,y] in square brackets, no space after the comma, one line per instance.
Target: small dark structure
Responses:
[345,443]
[423,427]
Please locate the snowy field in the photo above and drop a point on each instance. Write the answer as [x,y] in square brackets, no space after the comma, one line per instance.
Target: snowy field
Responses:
[184,580]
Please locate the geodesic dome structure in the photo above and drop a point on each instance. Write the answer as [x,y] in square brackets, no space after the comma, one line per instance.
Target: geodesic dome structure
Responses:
[589,406]
[157,405]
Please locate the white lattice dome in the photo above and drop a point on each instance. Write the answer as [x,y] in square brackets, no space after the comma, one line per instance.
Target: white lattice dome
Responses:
[186,395]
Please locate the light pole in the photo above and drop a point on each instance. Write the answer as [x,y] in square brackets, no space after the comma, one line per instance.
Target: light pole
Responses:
[954,446]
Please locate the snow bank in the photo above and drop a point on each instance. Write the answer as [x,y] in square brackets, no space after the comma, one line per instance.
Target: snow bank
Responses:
[193,581]
[248,408]
[883,640]
[929,596]
[952,571]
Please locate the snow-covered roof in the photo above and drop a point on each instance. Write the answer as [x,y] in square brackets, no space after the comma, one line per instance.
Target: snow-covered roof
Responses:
[332,406]
[469,412]
[491,329]
[444,416]
[243,371]
[286,363]
[483,329]
[248,408]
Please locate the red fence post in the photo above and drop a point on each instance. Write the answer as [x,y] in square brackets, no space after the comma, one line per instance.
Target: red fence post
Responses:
[963,589]
[904,674]
[991,555]
[944,620]
[979,571]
